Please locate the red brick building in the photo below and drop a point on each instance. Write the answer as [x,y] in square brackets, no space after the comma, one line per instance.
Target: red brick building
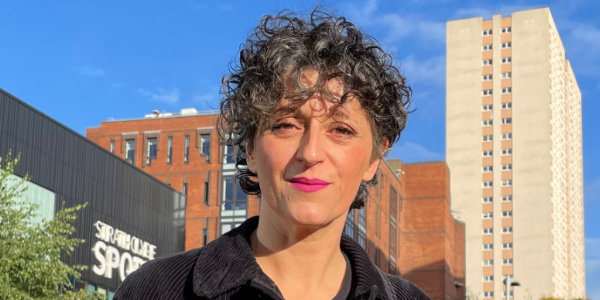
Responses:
[406,226]
[183,151]
[431,242]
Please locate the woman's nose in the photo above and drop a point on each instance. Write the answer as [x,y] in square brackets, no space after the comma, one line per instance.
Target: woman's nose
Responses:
[310,150]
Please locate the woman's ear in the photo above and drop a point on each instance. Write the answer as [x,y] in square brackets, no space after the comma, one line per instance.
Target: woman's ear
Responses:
[250,162]
[372,169]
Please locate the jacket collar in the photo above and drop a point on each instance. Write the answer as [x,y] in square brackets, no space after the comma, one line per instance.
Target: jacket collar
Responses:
[228,263]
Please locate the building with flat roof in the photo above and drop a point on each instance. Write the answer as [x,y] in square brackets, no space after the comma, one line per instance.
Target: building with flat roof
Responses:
[131,217]
[514,149]
[182,150]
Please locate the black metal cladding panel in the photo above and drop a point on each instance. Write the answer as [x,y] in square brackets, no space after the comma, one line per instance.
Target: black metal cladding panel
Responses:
[78,171]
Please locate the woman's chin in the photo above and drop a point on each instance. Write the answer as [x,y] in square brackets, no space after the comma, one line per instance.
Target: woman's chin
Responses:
[311,216]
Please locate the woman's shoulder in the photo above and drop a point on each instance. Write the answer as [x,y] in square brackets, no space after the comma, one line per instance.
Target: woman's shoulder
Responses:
[161,278]
[404,289]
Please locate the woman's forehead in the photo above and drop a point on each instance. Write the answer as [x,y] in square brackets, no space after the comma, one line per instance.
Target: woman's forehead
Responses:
[309,79]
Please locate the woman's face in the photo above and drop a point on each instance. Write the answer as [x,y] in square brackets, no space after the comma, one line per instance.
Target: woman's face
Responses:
[310,162]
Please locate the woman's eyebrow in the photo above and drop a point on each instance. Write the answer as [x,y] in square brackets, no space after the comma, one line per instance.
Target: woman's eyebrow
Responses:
[285,110]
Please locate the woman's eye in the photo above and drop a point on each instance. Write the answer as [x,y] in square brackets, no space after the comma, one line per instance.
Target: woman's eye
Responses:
[343,131]
[282,125]
[284,129]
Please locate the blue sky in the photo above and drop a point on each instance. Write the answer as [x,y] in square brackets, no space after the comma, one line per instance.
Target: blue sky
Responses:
[83,62]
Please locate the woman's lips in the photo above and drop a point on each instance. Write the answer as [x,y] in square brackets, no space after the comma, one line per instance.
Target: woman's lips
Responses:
[307,184]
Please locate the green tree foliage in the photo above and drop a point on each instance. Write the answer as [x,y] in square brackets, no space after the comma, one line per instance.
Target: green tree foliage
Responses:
[30,264]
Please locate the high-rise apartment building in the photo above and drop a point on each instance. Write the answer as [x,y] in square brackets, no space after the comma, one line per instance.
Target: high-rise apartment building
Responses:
[513,146]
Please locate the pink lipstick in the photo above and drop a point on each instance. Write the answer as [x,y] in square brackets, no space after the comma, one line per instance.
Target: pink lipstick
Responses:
[307,184]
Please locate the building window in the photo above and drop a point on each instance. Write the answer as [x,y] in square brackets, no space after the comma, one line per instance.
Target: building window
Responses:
[204,236]
[487,62]
[506,45]
[486,47]
[488,230]
[489,246]
[506,29]
[151,149]
[507,198]
[488,278]
[507,182]
[507,167]
[362,228]
[487,123]
[170,150]
[112,146]
[487,107]
[206,192]
[186,151]
[507,151]
[507,90]
[234,197]
[488,262]
[184,190]
[487,77]
[229,156]
[487,199]
[507,214]
[488,294]
[507,229]
[393,205]
[506,75]
[488,153]
[130,151]
[507,261]
[487,184]
[487,92]
[507,136]
[506,105]
[234,204]
[487,138]
[511,293]
[349,226]
[506,121]
[487,215]
[487,169]
[506,60]
[507,245]
[486,32]
[205,145]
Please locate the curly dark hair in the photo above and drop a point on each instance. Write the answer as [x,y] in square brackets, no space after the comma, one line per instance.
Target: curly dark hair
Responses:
[271,64]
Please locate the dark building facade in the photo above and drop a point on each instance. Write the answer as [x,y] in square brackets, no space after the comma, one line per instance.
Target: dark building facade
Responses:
[131,217]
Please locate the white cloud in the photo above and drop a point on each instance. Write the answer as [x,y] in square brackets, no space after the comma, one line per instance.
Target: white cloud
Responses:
[472,12]
[591,193]
[592,247]
[207,100]
[397,26]
[90,71]
[582,42]
[415,27]
[412,152]
[487,13]
[587,36]
[428,71]
[162,95]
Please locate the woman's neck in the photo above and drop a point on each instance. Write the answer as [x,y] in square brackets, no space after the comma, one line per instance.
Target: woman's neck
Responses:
[300,259]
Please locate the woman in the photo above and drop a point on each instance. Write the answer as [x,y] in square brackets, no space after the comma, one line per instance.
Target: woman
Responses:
[311,110]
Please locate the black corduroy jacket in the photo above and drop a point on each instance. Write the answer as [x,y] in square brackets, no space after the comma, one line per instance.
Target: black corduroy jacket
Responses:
[227,269]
